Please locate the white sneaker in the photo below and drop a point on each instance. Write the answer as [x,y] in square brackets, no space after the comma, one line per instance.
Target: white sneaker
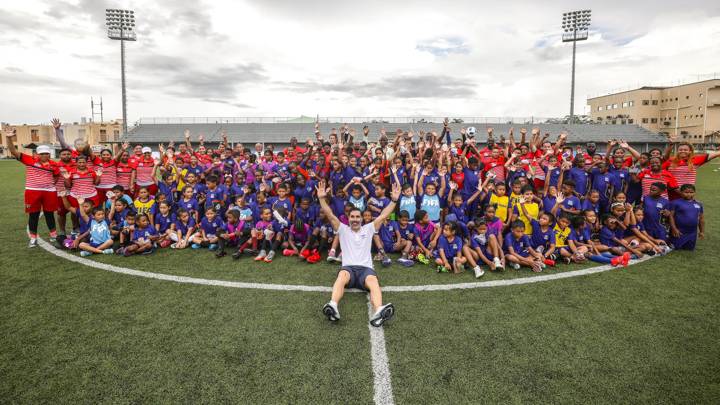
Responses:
[498,264]
[515,266]
[33,243]
[85,253]
[479,272]
[108,251]
[383,313]
[260,255]
[331,256]
[331,311]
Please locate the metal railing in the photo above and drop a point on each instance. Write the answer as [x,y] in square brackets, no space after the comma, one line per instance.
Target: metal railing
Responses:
[350,120]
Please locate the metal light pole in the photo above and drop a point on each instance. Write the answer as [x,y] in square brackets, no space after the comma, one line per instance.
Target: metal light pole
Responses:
[575,26]
[121,26]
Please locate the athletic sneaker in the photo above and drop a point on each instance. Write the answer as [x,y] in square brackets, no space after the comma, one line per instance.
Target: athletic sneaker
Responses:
[331,311]
[220,253]
[173,246]
[331,256]
[52,239]
[85,253]
[616,261]
[386,261]
[33,243]
[379,257]
[625,259]
[549,262]
[269,257]
[288,252]
[442,269]
[515,266]
[195,246]
[165,243]
[498,264]
[314,257]
[260,255]
[383,313]
[305,254]
[108,251]
[213,246]
[405,262]
[237,255]
[422,259]
[479,272]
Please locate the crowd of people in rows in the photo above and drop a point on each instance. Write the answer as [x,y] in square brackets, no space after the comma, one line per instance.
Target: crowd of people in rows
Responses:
[516,200]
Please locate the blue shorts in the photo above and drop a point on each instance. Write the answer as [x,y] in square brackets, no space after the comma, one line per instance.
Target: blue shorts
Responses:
[358,274]
[388,246]
[95,244]
[686,241]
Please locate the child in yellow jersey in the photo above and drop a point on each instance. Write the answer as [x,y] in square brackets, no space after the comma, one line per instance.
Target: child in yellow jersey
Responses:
[526,209]
[515,195]
[562,233]
[145,204]
[500,201]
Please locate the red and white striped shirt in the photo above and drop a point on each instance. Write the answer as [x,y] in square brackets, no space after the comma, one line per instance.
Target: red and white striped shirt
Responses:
[108,179]
[144,172]
[124,173]
[496,166]
[39,176]
[83,184]
[647,178]
[682,172]
[60,180]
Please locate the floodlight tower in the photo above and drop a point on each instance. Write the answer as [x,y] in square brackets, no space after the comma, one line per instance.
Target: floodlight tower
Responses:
[121,26]
[575,26]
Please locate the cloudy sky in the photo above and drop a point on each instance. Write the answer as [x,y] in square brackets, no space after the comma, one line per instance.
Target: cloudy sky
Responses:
[341,58]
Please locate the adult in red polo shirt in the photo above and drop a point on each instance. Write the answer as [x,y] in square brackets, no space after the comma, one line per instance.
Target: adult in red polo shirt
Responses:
[144,173]
[40,193]
[685,163]
[655,173]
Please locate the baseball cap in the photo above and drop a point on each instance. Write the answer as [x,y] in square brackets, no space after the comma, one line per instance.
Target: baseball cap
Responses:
[42,149]
[146,149]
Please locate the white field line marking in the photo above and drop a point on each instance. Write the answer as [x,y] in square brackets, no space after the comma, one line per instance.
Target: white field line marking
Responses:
[291,287]
[382,384]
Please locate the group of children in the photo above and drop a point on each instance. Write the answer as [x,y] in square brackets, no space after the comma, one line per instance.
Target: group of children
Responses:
[529,204]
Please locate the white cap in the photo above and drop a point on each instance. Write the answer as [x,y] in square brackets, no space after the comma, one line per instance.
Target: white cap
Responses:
[146,150]
[471,131]
[42,149]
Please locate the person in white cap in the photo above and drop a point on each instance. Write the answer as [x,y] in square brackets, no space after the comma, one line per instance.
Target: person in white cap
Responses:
[40,191]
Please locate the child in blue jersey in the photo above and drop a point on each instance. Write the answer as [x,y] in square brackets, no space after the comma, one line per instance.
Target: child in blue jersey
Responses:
[306,211]
[408,202]
[119,209]
[426,234]
[321,238]
[430,201]
[99,238]
[656,208]
[518,249]
[281,201]
[542,238]
[687,221]
[83,214]
[234,234]
[592,202]
[611,236]
[164,222]
[580,241]
[378,203]
[448,255]
[479,249]
[407,230]
[189,203]
[458,207]
[566,201]
[357,193]
[637,229]
[143,238]
[184,229]
[168,186]
[214,195]
[602,183]
[211,227]
[388,240]
[280,226]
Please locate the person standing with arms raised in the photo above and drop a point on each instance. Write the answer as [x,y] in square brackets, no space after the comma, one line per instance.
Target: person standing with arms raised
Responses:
[357,271]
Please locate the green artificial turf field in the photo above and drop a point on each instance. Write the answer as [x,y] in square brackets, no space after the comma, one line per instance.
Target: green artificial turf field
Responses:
[71,333]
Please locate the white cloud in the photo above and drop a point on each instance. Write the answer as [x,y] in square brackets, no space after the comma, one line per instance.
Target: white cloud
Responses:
[224,58]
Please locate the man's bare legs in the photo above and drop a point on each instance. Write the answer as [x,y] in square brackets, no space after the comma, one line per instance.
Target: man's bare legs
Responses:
[338,290]
[373,285]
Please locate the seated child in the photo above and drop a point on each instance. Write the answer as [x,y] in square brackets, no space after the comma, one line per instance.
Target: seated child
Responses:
[100,241]
[518,250]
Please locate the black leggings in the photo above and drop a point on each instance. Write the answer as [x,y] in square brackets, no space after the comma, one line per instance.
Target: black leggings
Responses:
[35,219]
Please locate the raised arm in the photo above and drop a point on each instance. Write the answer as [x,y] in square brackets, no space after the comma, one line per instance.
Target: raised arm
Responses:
[9,134]
[59,133]
[394,196]
[322,193]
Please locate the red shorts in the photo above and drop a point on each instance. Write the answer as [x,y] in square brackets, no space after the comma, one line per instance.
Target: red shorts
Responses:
[61,207]
[539,184]
[40,200]
[102,197]
[74,202]
[152,189]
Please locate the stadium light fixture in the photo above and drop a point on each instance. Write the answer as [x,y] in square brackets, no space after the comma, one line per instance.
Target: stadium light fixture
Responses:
[575,26]
[121,26]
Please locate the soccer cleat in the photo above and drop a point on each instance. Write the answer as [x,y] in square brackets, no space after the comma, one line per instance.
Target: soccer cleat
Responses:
[405,262]
[515,266]
[85,253]
[108,251]
[220,253]
[331,312]
[260,256]
[567,260]
[305,253]
[331,256]
[442,269]
[33,243]
[269,257]
[625,259]
[479,272]
[173,246]
[386,261]
[52,239]
[237,255]
[165,243]
[314,257]
[288,252]
[212,246]
[195,246]
[616,261]
[383,314]
[379,257]
[549,262]
[422,259]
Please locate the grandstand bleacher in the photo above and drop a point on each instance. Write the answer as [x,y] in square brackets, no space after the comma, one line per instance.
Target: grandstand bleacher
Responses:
[279,133]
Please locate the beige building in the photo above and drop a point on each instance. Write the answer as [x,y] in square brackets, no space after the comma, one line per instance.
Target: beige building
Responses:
[96,133]
[690,111]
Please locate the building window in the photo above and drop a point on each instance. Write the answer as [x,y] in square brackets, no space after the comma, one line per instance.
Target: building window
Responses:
[644,120]
[675,98]
[103,135]
[599,118]
[699,108]
[34,136]
[654,102]
[116,134]
[631,103]
[646,102]
[625,104]
[701,95]
[607,107]
[614,122]
[614,106]
[653,120]
[81,132]
[687,97]
[600,108]
[631,121]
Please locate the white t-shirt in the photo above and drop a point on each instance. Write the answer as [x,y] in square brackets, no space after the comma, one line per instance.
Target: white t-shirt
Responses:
[356,246]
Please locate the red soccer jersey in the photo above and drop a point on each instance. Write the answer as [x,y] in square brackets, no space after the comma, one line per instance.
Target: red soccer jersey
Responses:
[682,172]
[647,178]
[124,173]
[38,175]
[60,180]
[108,179]
[144,172]
[458,178]
[496,166]
[83,184]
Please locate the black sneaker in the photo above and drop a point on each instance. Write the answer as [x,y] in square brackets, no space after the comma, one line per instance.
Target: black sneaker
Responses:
[331,312]
[383,314]
[220,253]
[237,255]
